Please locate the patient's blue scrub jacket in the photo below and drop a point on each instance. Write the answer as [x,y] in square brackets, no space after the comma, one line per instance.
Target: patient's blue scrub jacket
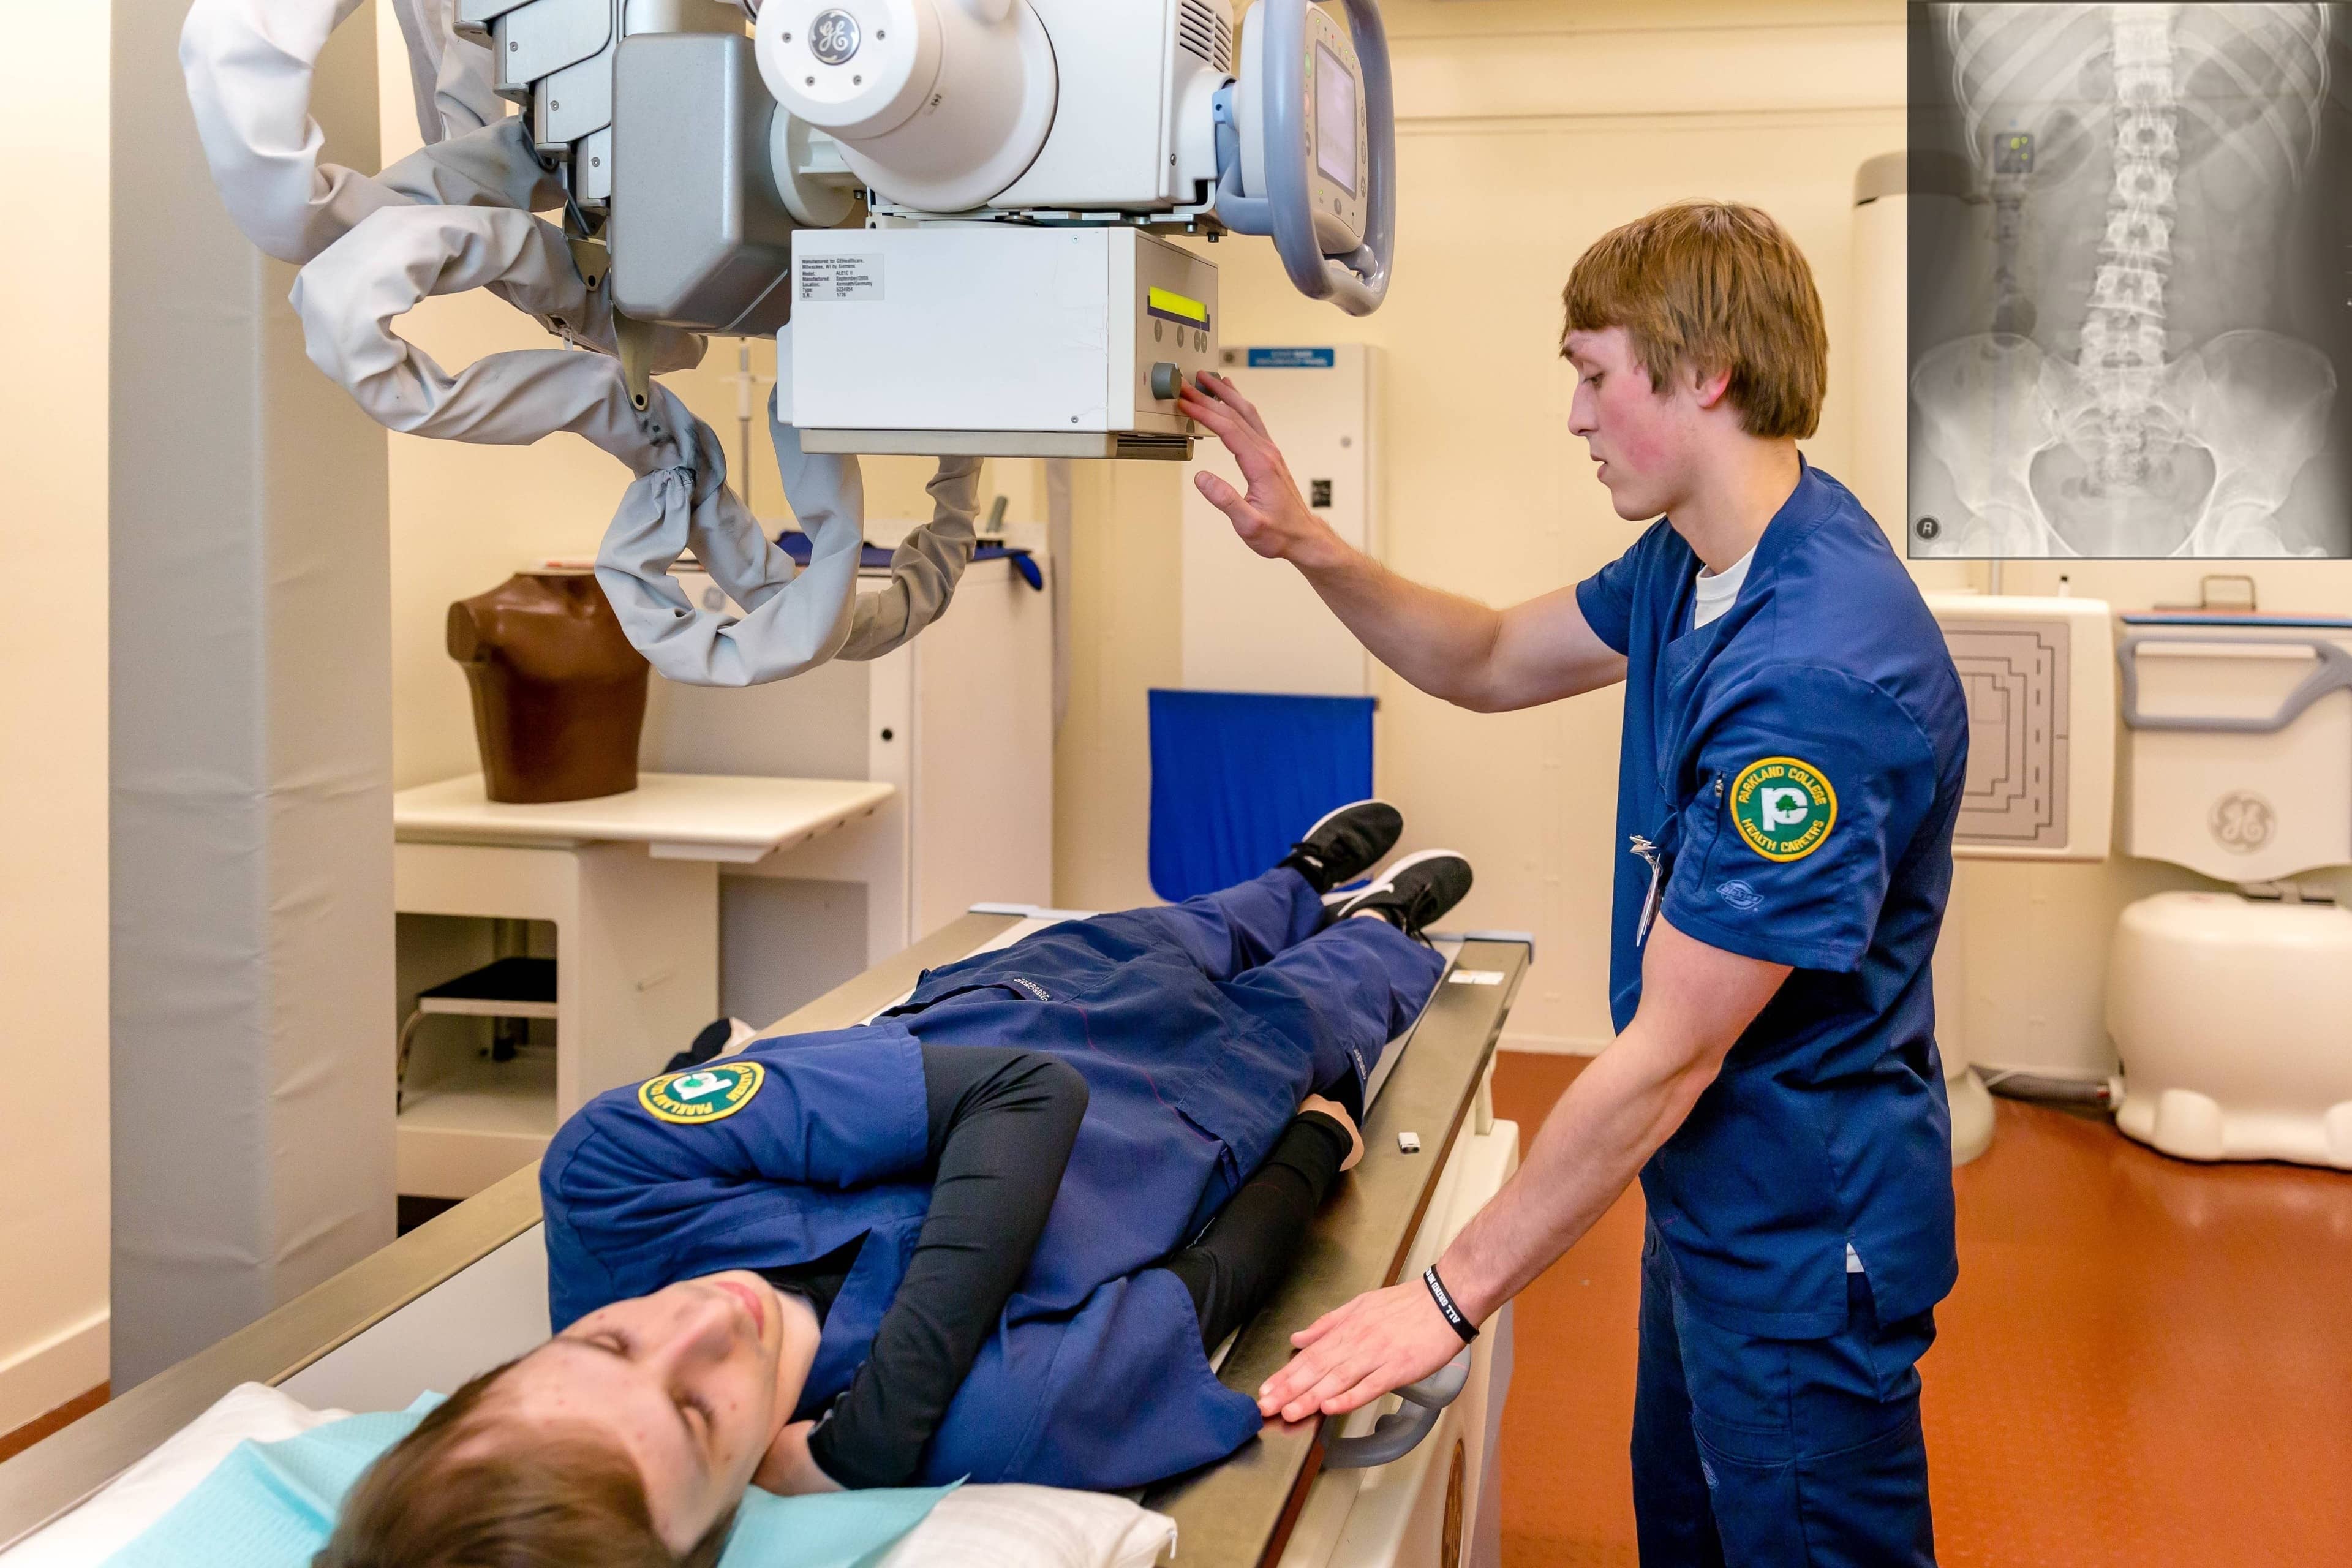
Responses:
[1096,1376]
[1793,770]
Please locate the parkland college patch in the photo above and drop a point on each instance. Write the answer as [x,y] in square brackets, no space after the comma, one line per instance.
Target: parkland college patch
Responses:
[1783,808]
[705,1094]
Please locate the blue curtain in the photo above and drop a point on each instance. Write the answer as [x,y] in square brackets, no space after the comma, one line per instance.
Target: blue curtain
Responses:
[1237,776]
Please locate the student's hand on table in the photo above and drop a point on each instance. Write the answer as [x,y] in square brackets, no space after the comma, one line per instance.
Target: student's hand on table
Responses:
[1332,1108]
[1271,519]
[787,1470]
[1350,1356]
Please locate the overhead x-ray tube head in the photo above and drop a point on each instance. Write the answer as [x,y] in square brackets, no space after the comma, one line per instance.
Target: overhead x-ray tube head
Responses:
[937,104]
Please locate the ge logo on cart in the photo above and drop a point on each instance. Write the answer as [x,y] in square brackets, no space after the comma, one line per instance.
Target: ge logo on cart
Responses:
[705,1094]
[833,36]
[2243,823]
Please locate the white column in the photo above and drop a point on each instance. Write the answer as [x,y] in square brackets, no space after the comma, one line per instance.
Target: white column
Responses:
[252,980]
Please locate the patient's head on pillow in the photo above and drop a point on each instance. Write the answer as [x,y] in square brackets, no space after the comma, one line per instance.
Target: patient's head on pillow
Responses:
[627,1439]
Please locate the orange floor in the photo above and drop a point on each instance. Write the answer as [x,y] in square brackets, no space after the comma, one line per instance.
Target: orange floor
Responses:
[2147,1362]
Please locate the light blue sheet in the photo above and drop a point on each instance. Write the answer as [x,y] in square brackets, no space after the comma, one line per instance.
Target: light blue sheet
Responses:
[272,1505]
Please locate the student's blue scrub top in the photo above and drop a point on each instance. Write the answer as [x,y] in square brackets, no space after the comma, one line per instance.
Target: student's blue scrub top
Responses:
[1795,768]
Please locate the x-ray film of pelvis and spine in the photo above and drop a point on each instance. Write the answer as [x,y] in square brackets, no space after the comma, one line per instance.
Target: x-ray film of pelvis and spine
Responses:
[2128,280]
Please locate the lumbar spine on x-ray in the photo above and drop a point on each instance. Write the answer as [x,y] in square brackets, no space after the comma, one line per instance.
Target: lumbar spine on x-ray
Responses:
[2122,450]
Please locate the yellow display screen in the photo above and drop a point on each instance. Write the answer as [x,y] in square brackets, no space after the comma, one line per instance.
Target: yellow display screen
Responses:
[1178,307]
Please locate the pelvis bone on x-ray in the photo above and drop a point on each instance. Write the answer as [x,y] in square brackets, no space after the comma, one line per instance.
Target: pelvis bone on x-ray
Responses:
[2127,299]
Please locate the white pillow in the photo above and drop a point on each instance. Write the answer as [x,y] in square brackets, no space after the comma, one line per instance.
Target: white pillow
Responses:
[1035,1527]
[975,1527]
[145,1492]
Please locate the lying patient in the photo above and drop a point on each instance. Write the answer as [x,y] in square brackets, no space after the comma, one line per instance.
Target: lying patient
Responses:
[993,1234]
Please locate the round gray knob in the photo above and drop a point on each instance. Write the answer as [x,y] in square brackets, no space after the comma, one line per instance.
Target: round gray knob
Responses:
[1166,381]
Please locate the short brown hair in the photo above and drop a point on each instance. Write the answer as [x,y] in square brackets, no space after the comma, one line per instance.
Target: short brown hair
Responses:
[438,1499]
[1711,286]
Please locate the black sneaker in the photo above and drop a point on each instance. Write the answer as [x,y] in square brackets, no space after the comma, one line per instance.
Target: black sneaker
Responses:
[1415,892]
[1345,843]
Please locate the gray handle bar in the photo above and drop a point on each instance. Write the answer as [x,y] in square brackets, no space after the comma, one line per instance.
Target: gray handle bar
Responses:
[1358,281]
[1396,1433]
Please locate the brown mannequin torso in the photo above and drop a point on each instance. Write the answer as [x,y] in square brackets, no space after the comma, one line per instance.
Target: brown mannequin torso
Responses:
[559,694]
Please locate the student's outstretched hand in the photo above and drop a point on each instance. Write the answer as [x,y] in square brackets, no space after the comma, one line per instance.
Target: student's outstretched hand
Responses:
[1351,1355]
[1271,519]
[1337,1112]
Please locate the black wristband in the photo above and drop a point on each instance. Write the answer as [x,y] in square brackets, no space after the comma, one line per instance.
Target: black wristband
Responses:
[1444,1299]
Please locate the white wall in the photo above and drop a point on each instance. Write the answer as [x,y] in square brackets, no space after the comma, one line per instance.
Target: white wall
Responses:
[1125,573]
[53,791]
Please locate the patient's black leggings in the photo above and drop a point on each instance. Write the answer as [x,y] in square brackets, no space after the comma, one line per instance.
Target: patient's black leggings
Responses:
[1001,1123]
[1242,1256]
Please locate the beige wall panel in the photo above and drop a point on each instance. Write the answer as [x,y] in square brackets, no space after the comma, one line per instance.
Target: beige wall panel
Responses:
[1126,569]
[53,789]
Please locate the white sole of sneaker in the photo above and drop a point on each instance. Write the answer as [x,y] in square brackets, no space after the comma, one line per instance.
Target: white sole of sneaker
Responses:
[1385,879]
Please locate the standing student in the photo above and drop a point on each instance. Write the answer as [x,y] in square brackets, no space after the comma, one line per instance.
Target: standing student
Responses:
[1794,752]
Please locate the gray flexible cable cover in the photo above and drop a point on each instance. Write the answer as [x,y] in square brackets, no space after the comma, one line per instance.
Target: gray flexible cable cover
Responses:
[456,215]
[450,75]
[688,506]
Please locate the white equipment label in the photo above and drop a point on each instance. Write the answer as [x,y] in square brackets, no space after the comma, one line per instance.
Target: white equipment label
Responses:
[841,278]
[1477,977]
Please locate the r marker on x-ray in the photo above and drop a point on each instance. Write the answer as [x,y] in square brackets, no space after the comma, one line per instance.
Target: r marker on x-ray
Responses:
[2118,359]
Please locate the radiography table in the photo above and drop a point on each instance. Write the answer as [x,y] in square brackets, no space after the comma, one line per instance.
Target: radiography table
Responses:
[469,1289]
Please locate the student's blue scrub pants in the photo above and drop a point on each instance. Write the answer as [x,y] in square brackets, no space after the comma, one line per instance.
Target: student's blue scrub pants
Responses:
[1762,1453]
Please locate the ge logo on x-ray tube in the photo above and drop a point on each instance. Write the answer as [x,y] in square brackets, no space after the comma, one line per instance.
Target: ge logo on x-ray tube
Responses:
[833,36]
[2242,822]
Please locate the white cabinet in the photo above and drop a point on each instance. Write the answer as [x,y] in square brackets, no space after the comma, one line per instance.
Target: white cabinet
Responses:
[630,885]
[960,720]
[1252,624]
